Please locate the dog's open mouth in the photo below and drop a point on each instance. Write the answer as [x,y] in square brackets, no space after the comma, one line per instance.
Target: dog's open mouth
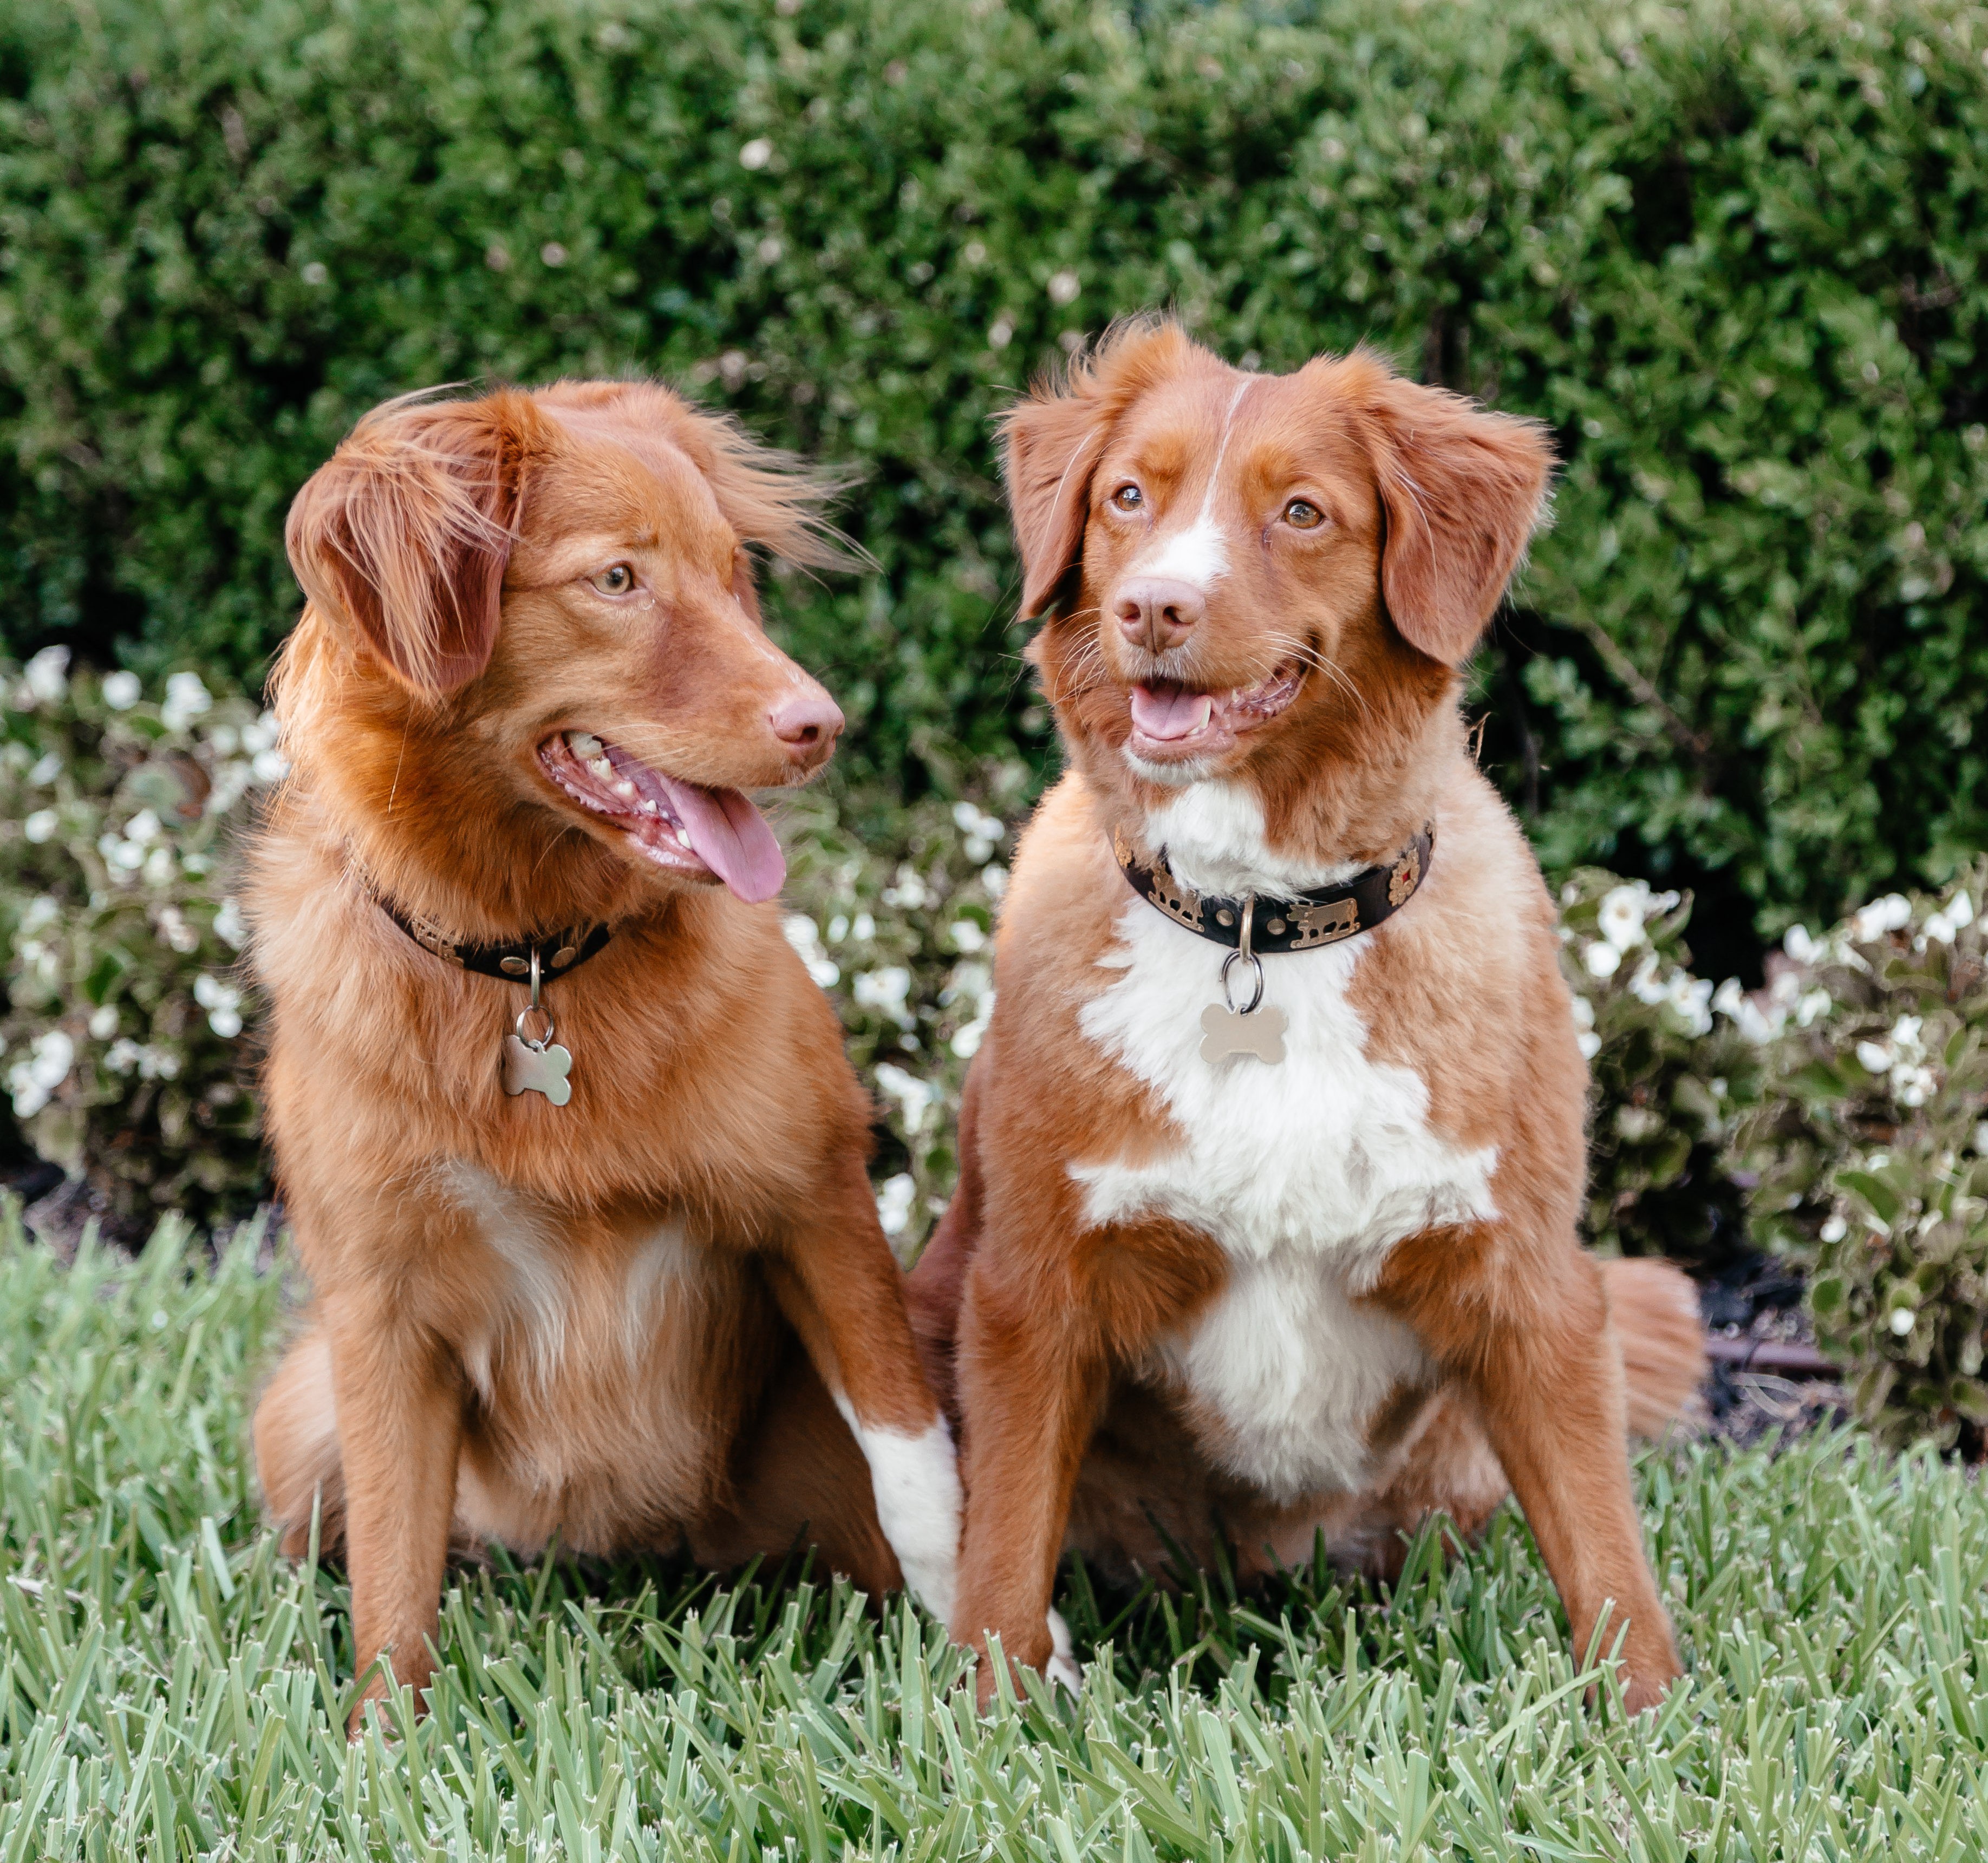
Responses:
[682,827]
[1172,722]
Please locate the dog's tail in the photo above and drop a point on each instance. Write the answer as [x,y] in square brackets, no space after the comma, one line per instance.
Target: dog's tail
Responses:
[1653,1309]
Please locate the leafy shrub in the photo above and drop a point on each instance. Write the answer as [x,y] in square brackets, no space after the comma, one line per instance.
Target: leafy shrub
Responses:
[1730,249]
[1871,1147]
[896,918]
[1671,1080]
[124,1043]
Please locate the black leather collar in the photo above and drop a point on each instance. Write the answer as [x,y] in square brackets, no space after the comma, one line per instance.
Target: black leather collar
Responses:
[557,952]
[1300,924]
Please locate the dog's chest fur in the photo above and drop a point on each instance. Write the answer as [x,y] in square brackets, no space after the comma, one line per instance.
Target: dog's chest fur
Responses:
[1306,1173]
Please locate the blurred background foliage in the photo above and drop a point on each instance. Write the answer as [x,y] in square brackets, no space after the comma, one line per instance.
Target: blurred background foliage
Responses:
[1730,249]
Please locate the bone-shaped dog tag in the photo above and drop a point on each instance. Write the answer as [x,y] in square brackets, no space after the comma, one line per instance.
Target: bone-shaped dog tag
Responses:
[536,1069]
[1260,1033]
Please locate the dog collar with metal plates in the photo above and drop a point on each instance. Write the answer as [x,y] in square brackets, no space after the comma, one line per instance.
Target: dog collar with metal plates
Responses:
[532,1063]
[1250,925]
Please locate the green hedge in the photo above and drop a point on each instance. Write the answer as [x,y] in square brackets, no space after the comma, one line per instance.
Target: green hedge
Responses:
[1732,252]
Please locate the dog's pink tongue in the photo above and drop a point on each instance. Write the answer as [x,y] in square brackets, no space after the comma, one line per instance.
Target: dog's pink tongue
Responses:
[731,837]
[1166,710]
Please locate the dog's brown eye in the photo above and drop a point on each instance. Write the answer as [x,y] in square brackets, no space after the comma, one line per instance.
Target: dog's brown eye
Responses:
[1128,497]
[1302,515]
[617,579]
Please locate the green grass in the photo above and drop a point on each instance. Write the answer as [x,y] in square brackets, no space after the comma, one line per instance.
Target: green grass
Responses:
[171,1688]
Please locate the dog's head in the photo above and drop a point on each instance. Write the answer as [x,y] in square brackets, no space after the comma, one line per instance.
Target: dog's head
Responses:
[541,605]
[1251,574]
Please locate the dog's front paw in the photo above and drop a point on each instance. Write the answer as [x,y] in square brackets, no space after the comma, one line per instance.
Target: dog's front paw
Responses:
[916,1480]
[1062,1667]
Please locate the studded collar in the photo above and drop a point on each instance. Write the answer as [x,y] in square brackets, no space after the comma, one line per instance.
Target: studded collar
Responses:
[1302,922]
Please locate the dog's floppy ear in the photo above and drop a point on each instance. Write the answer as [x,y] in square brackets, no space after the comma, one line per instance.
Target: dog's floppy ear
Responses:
[1463,491]
[403,536]
[1052,441]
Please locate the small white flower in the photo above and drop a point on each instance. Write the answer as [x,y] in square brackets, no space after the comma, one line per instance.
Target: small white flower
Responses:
[186,699]
[42,911]
[1063,286]
[1799,945]
[910,891]
[1000,333]
[34,1081]
[47,676]
[228,924]
[225,739]
[966,935]
[122,690]
[1643,985]
[1602,959]
[1589,1043]
[1620,916]
[41,825]
[1876,1059]
[1881,916]
[46,771]
[160,868]
[1690,999]
[995,879]
[756,153]
[1960,910]
[887,990]
[1583,1011]
[894,1196]
[1812,1004]
[1902,1321]
[1833,1229]
[1906,1036]
[838,928]
[143,827]
[916,1097]
[222,1002]
[862,928]
[260,736]
[103,1022]
[1912,1086]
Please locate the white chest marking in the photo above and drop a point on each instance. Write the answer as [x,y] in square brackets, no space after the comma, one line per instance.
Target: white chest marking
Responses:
[1306,1174]
[527,1324]
[1330,1152]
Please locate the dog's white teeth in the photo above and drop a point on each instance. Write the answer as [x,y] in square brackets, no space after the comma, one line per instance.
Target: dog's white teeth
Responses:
[649,806]
[585,744]
[683,837]
[602,769]
[625,789]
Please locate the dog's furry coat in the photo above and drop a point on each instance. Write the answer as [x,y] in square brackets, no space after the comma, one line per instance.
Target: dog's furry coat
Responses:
[630,1321]
[1192,1298]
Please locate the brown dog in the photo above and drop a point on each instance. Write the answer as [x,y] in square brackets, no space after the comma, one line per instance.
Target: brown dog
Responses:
[560,1274]
[1275,1239]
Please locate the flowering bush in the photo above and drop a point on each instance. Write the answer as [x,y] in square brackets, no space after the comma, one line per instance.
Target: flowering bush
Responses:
[1871,1147]
[894,916]
[1671,1079]
[123,1044]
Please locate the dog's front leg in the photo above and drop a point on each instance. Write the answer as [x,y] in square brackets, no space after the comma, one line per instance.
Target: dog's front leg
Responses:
[1031,1379]
[399,1426]
[1540,1358]
[841,1289]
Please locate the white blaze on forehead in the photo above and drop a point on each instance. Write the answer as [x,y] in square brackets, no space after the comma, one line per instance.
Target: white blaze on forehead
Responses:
[1199,552]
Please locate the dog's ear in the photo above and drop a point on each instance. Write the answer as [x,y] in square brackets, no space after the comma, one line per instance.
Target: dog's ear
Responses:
[1463,491]
[404,535]
[1052,441]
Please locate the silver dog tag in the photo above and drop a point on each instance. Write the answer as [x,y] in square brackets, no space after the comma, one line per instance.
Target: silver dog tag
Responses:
[1258,1033]
[532,1066]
